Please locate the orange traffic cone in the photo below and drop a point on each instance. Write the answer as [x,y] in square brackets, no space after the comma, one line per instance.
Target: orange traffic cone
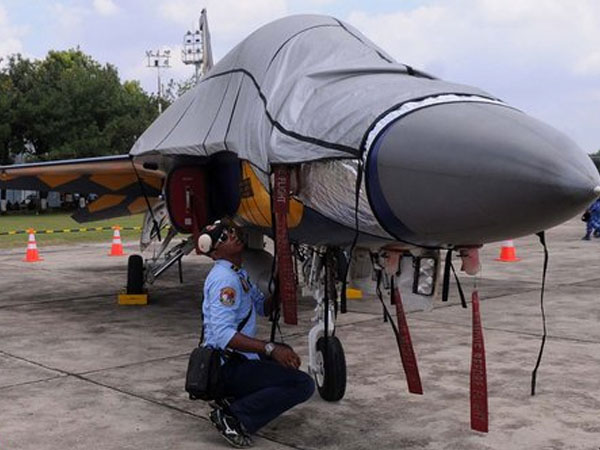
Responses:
[508,252]
[32,254]
[117,245]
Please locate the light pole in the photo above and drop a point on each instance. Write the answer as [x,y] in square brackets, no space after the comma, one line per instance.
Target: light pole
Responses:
[159,60]
[197,49]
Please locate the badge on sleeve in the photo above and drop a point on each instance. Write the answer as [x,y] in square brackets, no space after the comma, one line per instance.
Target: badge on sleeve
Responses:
[227,296]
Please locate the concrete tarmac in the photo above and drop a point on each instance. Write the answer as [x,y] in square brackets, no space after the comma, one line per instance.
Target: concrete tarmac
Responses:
[78,371]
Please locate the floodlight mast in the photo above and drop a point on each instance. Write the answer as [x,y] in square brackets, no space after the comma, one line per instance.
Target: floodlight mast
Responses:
[158,60]
[192,51]
[197,49]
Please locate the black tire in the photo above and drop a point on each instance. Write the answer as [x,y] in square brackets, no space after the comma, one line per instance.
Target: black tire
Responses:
[135,274]
[331,382]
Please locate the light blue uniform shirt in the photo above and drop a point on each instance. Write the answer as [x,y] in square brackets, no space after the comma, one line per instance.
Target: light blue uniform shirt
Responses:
[228,297]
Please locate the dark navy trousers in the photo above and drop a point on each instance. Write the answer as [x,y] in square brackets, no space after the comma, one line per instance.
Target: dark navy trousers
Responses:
[263,389]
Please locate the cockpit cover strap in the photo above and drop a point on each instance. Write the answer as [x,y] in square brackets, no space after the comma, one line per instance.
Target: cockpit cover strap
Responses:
[542,236]
[478,391]
[407,353]
[285,267]
[446,280]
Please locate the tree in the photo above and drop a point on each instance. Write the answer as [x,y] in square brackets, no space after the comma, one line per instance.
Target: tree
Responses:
[176,89]
[7,90]
[70,106]
[12,127]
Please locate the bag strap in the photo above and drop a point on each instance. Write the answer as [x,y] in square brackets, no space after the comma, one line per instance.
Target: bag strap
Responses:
[240,326]
[245,321]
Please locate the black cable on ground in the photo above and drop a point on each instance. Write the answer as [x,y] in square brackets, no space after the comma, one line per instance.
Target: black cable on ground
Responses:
[542,237]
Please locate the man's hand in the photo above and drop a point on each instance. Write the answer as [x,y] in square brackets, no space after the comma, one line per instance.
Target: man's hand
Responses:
[285,356]
[282,353]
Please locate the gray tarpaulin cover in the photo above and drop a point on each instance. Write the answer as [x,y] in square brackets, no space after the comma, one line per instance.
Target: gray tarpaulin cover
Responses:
[299,89]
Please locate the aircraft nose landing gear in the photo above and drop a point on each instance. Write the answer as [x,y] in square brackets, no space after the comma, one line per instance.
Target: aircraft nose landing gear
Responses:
[326,359]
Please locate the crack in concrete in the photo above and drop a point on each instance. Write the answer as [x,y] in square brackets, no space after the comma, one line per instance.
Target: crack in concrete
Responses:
[81,376]
[60,300]
[20,358]
[123,366]
[166,405]
[164,290]
[25,383]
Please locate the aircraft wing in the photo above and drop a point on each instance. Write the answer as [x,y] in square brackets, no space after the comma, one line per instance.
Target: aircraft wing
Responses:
[112,178]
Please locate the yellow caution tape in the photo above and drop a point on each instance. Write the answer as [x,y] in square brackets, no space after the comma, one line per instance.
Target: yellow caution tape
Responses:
[66,230]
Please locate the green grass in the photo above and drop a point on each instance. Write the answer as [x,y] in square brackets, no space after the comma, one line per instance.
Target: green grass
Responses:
[60,221]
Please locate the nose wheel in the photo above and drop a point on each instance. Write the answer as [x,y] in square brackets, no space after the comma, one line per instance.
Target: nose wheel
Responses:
[330,369]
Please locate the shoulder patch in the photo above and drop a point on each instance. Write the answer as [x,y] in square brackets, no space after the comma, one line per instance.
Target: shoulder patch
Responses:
[227,296]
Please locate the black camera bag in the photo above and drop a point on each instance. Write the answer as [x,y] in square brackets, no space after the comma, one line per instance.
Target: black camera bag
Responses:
[203,380]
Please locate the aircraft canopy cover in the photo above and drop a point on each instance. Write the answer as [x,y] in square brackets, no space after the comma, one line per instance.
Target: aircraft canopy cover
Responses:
[299,89]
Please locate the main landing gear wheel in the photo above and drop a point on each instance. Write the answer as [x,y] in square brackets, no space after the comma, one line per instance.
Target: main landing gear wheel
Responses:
[135,274]
[331,369]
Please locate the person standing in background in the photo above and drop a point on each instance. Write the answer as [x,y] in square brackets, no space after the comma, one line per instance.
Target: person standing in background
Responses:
[592,218]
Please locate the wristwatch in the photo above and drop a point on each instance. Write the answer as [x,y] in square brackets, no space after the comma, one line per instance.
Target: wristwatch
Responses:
[269,347]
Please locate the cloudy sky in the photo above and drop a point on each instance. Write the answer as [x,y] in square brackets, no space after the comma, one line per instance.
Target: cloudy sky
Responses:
[542,56]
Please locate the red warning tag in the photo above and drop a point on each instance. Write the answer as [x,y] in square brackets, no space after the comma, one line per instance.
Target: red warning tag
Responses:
[479,396]
[285,266]
[407,353]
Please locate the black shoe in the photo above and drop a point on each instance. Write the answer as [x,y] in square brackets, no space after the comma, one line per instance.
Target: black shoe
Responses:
[230,428]
[585,238]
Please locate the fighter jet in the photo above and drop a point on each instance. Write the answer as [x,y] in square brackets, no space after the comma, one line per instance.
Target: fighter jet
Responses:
[309,133]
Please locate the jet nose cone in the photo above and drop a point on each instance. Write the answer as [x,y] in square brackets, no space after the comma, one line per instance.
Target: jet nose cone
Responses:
[471,173]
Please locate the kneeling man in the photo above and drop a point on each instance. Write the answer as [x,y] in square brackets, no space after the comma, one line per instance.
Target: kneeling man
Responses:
[262,379]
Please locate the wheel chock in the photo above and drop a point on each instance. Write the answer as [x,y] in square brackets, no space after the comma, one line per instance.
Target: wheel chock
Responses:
[353,294]
[133,299]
